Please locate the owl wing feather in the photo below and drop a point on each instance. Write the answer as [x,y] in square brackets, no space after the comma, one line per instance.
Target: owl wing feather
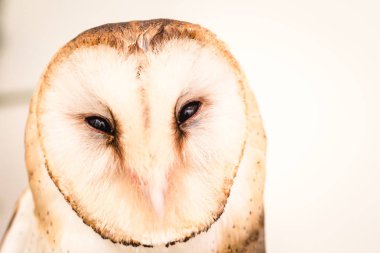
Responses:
[20,226]
[256,242]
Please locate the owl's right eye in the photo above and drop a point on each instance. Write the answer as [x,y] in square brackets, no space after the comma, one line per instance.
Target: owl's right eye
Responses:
[187,111]
[100,124]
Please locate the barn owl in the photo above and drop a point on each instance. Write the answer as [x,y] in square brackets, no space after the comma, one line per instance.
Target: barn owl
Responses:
[142,137]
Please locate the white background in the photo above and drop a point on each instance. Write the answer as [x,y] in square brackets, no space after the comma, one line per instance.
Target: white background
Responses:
[314,67]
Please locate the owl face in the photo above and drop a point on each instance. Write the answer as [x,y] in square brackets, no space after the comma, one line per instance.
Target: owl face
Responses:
[143,142]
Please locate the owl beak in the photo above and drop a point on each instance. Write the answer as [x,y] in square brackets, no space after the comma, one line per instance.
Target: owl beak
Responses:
[157,198]
[156,193]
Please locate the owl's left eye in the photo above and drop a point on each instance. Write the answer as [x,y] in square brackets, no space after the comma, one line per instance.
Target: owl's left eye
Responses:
[100,124]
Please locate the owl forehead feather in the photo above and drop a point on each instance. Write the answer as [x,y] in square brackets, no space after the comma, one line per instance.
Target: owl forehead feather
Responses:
[149,35]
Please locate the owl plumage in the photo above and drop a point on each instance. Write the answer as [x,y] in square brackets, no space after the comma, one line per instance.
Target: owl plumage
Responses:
[142,137]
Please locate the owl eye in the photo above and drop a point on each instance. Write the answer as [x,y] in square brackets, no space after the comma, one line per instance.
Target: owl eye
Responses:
[187,111]
[100,124]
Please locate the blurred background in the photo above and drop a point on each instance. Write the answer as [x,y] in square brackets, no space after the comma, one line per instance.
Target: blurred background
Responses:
[314,67]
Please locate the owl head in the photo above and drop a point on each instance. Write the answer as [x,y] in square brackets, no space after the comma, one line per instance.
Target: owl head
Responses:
[141,127]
